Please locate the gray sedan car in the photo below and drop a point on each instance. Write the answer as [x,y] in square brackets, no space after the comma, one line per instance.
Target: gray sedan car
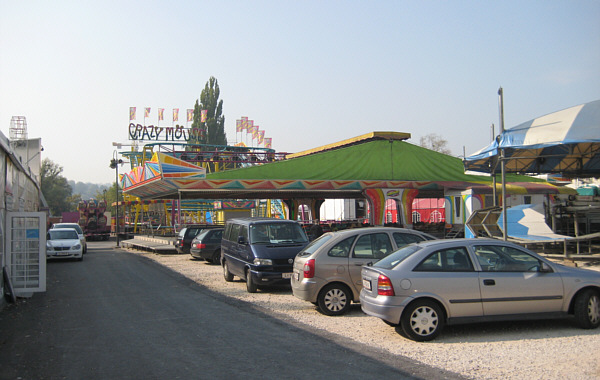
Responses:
[327,271]
[424,286]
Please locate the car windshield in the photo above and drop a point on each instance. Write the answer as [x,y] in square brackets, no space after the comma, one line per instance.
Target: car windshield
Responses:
[315,244]
[397,257]
[276,233]
[70,225]
[182,233]
[62,235]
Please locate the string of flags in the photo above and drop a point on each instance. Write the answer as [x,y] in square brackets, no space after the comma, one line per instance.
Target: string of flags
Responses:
[241,125]
[254,131]
[161,114]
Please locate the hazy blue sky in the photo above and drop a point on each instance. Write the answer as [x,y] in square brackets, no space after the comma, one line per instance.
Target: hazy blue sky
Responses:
[309,73]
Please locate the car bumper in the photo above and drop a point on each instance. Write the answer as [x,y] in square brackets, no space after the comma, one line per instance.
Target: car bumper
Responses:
[306,290]
[387,308]
[204,254]
[270,278]
[64,254]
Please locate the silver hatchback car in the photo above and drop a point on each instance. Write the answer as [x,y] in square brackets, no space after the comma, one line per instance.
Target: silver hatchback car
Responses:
[327,271]
[426,286]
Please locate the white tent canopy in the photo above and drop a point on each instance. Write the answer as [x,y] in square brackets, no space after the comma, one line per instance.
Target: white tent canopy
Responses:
[565,142]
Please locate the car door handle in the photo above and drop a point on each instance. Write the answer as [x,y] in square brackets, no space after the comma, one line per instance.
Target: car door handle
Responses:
[489,282]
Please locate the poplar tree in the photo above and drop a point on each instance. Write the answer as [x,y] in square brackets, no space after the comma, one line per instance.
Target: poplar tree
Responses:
[212,131]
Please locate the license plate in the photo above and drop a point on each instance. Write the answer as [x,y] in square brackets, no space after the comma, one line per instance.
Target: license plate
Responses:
[367,284]
[63,253]
[286,275]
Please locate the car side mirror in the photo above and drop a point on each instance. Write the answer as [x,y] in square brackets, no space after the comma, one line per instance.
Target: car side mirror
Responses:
[242,240]
[545,268]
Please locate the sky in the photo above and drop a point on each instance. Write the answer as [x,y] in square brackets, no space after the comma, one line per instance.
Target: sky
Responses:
[309,73]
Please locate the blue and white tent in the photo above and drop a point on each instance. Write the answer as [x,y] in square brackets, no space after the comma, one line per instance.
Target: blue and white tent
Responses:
[566,142]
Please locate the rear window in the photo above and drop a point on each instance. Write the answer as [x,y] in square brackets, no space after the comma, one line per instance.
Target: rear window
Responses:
[397,257]
[193,232]
[314,245]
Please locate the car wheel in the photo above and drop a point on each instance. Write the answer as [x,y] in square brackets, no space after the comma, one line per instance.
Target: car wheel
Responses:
[587,309]
[250,285]
[216,257]
[422,320]
[226,273]
[334,299]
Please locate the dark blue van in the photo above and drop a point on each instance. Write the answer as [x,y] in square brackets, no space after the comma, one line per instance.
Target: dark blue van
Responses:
[261,250]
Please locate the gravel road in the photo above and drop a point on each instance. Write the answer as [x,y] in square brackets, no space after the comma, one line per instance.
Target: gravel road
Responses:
[553,349]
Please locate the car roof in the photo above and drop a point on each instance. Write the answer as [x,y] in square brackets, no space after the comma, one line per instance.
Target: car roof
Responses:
[351,231]
[202,226]
[65,225]
[466,241]
[259,220]
[64,228]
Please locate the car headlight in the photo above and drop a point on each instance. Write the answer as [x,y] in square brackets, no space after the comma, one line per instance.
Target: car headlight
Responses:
[49,246]
[258,261]
[77,246]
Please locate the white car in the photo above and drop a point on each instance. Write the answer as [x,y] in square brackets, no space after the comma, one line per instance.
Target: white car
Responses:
[77,228]
[63,243]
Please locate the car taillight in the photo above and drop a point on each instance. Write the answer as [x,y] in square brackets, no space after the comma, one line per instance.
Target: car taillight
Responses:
[384,286]
[200,245]
[309,268]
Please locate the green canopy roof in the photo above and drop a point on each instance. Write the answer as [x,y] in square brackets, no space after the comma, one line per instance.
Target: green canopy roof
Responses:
[378,160]
[344,170]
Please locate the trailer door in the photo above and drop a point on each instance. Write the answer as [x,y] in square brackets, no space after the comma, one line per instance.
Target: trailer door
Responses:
[26,252]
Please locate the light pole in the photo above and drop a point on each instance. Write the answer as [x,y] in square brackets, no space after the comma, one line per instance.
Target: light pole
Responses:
[114,164]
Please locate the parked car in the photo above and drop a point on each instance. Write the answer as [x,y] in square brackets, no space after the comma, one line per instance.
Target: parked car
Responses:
[63,243]
[260,250]
[327,271]
[424,287]
[77,228]
[187,234]
[207,245]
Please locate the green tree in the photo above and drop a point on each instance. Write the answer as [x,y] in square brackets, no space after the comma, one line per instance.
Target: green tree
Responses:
[434,142]
[109,195]
[213,130]
[56,189]
[73,201]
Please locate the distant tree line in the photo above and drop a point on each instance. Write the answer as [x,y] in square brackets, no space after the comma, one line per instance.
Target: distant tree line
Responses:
[59,192]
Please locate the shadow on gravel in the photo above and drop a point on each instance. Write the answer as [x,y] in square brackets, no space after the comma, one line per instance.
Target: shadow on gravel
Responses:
[511,331]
